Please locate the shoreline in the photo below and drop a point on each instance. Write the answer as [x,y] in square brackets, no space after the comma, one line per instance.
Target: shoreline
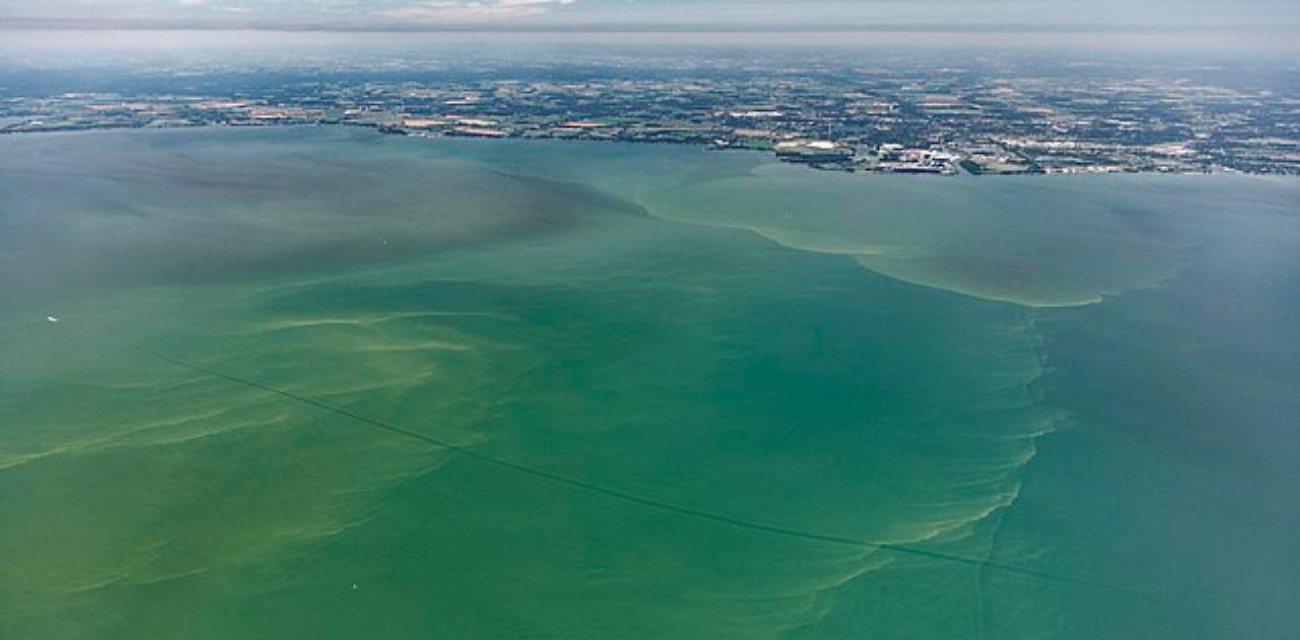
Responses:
[855,167]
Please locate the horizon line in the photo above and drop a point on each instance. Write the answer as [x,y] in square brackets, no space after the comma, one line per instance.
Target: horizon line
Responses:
[45,24]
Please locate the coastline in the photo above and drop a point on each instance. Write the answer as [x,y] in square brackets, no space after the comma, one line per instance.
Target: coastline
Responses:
[957,168]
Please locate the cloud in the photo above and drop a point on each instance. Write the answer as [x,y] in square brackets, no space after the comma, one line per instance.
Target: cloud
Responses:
[448,11]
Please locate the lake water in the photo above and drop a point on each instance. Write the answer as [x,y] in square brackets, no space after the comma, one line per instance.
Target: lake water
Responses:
[1073,396]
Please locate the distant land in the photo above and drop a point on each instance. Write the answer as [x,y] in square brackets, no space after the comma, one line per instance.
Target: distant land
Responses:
[844,111]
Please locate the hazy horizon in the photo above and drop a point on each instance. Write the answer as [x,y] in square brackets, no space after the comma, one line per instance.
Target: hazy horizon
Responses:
[36,48]
[1153,16]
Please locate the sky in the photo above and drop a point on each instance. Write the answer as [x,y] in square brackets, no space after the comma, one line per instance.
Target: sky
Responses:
[668,15]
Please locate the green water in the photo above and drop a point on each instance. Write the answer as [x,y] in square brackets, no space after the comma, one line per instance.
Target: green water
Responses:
[1092,379]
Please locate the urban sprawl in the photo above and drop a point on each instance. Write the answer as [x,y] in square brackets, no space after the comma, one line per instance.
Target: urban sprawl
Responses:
[931,121]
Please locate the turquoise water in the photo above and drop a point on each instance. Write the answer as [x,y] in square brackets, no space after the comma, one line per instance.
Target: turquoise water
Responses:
[1090,379]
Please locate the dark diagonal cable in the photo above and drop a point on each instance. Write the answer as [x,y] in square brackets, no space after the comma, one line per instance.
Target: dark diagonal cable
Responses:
[632,497]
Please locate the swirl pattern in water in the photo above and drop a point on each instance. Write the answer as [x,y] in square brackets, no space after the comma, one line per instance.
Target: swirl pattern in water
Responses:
[607,313]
